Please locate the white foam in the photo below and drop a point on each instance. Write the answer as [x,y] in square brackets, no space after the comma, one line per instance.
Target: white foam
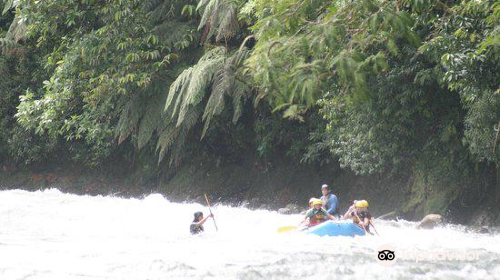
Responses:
[49,235]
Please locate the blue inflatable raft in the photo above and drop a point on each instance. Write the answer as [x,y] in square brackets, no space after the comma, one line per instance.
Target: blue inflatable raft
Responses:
[332,228]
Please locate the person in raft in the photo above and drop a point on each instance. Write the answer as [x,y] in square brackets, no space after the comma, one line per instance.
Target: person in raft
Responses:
[359,214]
[311,202]
[330,201]
[197,224]
[317,214]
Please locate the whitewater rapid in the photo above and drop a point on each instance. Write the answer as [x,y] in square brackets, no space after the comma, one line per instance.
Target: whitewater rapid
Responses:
[49,235]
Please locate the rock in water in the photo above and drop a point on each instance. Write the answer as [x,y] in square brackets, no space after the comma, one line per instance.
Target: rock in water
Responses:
[430,221]
[284,211]
[294,208]
[482,218]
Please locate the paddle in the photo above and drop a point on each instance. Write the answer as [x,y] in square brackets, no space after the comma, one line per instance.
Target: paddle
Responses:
[287,228]
[208,203]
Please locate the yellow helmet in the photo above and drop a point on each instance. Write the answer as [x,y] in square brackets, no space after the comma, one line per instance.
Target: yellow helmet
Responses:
[317,202]
[312,200]
[362,203]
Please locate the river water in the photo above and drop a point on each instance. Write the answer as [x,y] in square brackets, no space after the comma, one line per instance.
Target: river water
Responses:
[49,235]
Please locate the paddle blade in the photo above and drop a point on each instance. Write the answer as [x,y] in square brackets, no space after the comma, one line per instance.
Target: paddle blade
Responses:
[283,229]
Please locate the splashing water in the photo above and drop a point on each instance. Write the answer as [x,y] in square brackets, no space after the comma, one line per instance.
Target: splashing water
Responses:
[49,235]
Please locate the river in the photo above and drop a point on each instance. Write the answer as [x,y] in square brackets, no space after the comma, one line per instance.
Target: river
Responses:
[49,235]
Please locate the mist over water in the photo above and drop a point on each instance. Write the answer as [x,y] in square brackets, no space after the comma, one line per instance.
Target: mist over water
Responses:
[50,235]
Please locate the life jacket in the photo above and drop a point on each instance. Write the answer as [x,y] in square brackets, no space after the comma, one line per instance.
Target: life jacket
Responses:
[317,218]
[195,229]
[326,203]
[362,215]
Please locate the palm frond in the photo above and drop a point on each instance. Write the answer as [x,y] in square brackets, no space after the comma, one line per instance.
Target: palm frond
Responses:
[150,121]
[129,118]
[219,18]
[227,84]
[214,78]
[9,4]
[17,32]
[191,86]
[7,45]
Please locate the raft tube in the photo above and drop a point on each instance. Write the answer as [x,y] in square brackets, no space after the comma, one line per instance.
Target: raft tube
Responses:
[332,228]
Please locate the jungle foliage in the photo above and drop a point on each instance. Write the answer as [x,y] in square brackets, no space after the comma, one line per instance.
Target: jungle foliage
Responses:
[378,86]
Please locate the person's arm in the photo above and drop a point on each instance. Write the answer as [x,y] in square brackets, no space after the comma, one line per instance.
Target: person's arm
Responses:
[204,220]
[347,214]
[365,222]
[331,217]
[332,201]
[328,215]
[305,221]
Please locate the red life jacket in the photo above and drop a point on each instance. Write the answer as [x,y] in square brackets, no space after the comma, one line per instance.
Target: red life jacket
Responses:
[317,218]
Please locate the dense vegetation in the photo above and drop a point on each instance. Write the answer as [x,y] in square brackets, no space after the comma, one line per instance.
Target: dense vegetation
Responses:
[382,87]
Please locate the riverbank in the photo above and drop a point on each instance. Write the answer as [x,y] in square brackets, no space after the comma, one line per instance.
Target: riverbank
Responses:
[255,185]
